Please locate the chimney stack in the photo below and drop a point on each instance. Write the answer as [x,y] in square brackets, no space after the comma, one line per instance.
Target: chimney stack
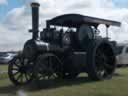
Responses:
[35,20]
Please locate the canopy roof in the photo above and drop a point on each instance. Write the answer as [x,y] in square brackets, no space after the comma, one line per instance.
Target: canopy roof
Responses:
[75,20]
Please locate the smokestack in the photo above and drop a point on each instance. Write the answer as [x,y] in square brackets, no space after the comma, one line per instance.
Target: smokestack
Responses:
[35,20]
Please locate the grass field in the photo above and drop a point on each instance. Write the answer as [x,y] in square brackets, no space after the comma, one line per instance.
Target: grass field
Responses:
[3,67]
[81,86]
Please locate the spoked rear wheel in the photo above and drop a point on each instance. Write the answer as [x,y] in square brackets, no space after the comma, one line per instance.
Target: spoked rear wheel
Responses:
[48,67]
[20,71]
[101,61]
[103,67]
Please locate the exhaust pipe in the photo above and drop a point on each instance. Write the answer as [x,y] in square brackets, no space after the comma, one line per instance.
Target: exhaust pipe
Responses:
[35,20]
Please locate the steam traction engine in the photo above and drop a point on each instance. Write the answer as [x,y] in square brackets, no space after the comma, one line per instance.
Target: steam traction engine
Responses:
[70,44]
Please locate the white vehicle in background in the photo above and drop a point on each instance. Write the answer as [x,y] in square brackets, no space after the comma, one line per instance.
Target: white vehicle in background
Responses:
[122,55]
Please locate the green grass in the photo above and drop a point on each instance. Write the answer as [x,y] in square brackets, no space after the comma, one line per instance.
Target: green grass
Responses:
[3,67]
[118,86]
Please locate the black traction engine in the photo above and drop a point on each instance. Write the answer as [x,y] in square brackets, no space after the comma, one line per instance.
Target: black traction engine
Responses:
[69,45]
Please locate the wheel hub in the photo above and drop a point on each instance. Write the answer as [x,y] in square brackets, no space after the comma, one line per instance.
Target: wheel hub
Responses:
[23,69]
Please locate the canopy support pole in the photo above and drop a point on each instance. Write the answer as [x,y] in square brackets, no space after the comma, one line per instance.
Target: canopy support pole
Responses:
[107,35]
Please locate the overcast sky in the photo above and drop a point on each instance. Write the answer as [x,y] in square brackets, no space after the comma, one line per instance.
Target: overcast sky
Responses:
[15,17]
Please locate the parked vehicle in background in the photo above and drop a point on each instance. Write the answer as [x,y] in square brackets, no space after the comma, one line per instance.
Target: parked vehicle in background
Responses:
[6,57]
[122,54]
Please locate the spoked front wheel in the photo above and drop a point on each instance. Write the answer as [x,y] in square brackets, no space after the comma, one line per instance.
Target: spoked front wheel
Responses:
[20,70]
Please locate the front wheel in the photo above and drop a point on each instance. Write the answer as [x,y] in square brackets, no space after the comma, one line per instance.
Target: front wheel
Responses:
[20,70]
